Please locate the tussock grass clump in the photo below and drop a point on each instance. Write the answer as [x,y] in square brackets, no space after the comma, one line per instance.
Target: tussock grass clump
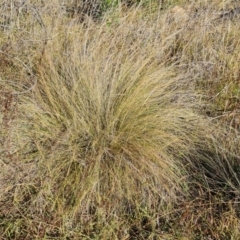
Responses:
[104,135]
[106,131]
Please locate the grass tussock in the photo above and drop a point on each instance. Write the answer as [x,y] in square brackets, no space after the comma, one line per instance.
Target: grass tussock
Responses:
[115,126]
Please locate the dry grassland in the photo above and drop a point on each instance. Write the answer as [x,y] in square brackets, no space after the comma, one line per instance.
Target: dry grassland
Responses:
[120,125]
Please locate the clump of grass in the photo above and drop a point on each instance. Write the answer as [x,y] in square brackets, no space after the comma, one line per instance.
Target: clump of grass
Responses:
[105,133]
[109,142]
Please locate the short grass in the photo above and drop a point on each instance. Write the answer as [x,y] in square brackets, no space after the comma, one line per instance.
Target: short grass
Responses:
[124,125]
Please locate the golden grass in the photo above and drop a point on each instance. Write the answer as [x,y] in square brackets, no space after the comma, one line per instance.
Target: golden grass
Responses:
[113,129]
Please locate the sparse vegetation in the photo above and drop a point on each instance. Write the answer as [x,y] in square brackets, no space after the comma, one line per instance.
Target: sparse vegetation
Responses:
[120,120]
